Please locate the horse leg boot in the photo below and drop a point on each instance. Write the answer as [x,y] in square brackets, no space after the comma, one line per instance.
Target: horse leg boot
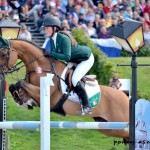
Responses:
[15,94]
[81,92]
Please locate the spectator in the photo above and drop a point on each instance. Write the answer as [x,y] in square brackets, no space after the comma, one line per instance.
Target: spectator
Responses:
[147,8]
[74,23]
[114,24]
[146,19]
[1,15]
[61,10]
[70,6]
[16,19]
[97,22]
[136,16]
[108,19]
[64,3]
[79,2]
[138,8]
[77,10]
[109,6]
[84,27]
[15,6]
[128,13]
[123,6]
[131,4]
[65,26]
[94,3]
[99,10]
[24,6]
[114,82]
[146,34]
[115,12]
[24,33]
[85,8]
[90,16]
[6,8]
[52,8]
[69,18]
[102,22]
[82,19]
[38,7]
[91,30]
[104,33]
[143,4]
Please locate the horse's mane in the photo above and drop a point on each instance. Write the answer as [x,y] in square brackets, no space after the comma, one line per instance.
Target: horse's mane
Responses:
[30,42]
[39,48]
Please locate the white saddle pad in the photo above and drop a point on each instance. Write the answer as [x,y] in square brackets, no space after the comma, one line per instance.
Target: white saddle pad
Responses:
[90,89]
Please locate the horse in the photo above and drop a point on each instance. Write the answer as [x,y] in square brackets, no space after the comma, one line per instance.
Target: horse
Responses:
[113,106]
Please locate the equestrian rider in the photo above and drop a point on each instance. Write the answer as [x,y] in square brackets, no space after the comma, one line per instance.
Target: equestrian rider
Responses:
[64,49]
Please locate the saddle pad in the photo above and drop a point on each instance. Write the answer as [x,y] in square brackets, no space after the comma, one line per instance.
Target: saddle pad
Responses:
[93,92]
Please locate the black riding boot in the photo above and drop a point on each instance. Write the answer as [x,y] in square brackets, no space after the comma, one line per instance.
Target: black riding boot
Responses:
[80,90]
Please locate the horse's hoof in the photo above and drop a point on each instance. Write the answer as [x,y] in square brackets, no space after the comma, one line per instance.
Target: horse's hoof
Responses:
[30,107]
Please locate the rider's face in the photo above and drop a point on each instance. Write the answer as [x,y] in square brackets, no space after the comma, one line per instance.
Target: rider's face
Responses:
[48,31]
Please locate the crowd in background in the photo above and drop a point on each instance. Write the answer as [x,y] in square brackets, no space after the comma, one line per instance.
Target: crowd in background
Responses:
[95,17]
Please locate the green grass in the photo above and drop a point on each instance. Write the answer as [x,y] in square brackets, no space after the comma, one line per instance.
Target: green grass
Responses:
[70,139]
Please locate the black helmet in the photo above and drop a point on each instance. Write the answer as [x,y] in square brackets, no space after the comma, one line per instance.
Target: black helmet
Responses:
[50,21]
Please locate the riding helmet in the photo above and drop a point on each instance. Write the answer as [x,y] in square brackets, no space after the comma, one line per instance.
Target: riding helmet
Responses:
[50,21]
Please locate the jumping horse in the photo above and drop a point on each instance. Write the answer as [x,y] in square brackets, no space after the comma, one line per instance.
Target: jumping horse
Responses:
[113,106]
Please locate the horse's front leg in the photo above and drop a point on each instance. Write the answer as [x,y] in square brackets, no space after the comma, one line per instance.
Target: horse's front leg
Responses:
[32,90]
[21,97]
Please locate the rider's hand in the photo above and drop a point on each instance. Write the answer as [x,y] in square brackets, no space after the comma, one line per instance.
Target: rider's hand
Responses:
[47,53]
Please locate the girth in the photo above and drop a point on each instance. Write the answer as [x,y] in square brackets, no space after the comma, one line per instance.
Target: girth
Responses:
[58,108]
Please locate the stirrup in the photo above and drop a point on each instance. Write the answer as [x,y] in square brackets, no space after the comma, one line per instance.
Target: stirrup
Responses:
[86,110]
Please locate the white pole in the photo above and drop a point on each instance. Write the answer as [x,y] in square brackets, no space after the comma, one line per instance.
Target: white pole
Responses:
[45,83]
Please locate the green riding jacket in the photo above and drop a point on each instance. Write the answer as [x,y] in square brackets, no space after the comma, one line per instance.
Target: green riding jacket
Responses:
[66,52]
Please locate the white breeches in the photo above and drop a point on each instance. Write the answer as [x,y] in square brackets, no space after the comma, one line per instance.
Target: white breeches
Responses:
[81,69]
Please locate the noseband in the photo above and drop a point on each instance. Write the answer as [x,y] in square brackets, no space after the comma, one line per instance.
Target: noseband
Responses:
[5,67]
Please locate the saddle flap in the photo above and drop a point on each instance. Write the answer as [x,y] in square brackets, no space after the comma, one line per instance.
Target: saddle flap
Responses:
[68,77]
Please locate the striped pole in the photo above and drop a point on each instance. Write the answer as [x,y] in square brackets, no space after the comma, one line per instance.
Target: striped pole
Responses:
[35,125]
[90,125]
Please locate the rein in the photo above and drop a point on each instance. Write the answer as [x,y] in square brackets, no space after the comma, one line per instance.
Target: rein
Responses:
[14,68]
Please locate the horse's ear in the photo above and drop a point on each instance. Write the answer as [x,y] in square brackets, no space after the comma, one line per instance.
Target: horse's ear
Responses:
[3,43]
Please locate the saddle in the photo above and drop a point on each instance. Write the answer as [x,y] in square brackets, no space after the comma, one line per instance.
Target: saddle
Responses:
[89,79]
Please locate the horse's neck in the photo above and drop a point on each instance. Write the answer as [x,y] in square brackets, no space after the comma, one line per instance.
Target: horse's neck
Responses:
[26,51]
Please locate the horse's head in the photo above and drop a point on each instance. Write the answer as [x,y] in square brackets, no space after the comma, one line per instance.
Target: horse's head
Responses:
[7,56]
[27,52]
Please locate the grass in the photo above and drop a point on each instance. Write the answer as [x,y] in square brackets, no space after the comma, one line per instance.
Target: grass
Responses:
[70,139]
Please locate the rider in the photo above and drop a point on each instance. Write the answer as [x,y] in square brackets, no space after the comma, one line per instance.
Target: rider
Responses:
[67,50]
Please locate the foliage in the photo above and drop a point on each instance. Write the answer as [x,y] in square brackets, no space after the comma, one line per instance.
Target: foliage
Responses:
[142,94]
[144,51]
[102,68]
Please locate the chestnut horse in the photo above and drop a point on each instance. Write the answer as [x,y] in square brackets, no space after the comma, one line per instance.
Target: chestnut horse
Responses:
[113,106]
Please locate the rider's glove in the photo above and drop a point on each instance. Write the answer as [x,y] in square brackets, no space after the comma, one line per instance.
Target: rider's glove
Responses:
[47,53]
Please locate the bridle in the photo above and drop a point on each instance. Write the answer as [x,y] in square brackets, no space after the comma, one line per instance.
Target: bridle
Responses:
[5,67]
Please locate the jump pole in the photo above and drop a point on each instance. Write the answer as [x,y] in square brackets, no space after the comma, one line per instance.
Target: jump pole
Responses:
[35,125]
[45,83]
